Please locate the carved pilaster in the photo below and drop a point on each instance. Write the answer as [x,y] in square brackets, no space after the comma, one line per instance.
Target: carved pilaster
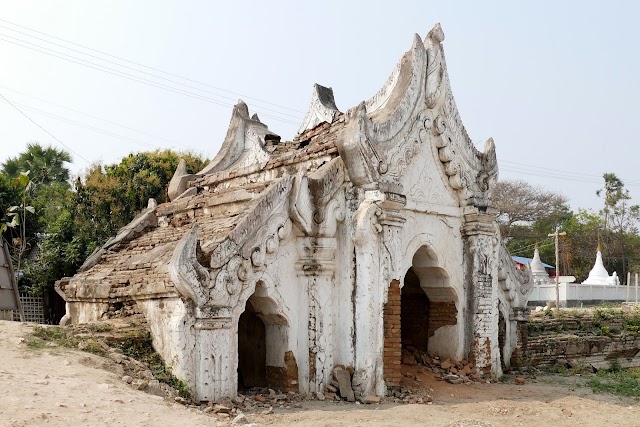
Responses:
[316,266]
[392,221]
[481,282]
[215,357]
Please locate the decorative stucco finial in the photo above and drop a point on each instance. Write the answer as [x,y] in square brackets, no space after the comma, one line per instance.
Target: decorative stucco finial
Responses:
[244,143]
[436,34]
[180,181]
[321,109]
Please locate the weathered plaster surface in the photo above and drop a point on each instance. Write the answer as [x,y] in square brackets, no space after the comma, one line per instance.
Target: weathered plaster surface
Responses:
[312,232]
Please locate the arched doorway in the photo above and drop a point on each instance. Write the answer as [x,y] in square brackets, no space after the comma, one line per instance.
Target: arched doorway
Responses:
[414,317]
[264,355]
[252,350]
[422,314]
[440,301]
[502,335]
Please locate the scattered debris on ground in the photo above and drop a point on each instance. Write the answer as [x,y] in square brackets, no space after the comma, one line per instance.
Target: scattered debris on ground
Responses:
[446,369]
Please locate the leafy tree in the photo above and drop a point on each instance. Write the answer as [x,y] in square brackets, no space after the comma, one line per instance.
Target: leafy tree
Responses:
[620,222]
[110,197]
[107,198]
[578,247]
[17,227]
[520,203]
[8,197]
[45,164]
[527,214]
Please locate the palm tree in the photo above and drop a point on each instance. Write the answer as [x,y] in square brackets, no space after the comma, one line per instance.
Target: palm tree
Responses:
[46,164]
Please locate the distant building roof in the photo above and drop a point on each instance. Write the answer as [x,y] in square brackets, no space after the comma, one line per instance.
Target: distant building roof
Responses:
[523,260]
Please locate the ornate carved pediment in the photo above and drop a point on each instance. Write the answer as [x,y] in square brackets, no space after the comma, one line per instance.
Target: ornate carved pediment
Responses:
[274,200]
[245,251]
[414,111]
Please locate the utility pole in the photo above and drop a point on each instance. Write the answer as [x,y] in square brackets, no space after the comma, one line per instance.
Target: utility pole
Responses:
[556,235]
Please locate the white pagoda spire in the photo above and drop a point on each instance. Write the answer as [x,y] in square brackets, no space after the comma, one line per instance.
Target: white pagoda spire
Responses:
[598,274]
[540,275]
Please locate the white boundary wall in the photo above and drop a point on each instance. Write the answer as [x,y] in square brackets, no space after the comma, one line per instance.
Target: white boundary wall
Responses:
[578,292]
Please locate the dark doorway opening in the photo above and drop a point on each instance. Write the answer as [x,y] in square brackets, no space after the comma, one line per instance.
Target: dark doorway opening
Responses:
[252,351]
[414,313]
[502,333]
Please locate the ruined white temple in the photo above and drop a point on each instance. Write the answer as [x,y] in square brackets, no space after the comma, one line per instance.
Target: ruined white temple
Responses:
[371,230]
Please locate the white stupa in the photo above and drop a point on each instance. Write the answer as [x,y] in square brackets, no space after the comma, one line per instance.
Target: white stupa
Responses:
[599,275]
[540,275]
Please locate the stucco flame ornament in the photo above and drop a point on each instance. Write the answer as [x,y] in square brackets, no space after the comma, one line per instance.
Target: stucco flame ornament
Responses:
[187,274]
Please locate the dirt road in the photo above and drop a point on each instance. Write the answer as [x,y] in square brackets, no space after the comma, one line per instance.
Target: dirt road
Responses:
[59,387]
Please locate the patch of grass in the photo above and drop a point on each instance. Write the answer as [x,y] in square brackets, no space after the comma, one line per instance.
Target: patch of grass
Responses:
[52,333]
[575,313]
[92,346]
[136,344]
[619,384]
[57,334]
[34,342]
[632,329]
[616,381]
[99,327]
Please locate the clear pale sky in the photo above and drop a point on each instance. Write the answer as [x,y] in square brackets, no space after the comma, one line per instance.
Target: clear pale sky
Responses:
[556,84]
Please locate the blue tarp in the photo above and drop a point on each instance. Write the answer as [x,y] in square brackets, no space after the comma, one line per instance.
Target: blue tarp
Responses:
[523,260]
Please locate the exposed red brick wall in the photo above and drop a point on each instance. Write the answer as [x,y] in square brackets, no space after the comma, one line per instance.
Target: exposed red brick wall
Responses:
[285,378]
[392,336]
[441,313]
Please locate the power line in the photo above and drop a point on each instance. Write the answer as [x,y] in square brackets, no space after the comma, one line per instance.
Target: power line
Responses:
[86,126]
[537,170]
[565,177]
[553,169]
[558,173]
[46,131]
[522,251]
[93,117]
[129,76]
[142,65]
[130,68]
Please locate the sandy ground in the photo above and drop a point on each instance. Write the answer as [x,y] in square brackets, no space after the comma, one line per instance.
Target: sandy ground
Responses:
[59,387]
